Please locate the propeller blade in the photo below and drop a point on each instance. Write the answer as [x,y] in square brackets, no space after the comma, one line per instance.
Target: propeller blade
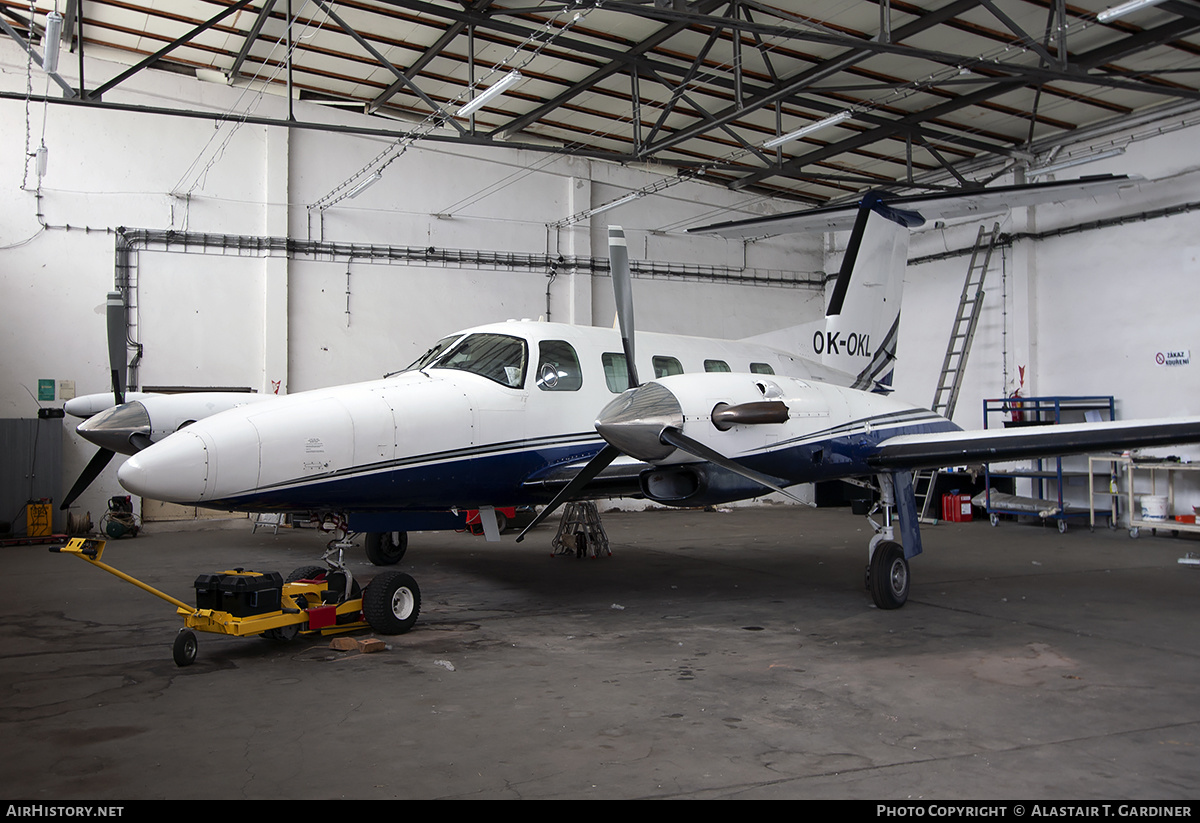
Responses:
[681,441]
[90,472]
[618,261]
[115,314]
[594,466]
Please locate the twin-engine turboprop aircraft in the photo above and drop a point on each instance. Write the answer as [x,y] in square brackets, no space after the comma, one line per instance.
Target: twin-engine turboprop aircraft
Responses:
[505,414]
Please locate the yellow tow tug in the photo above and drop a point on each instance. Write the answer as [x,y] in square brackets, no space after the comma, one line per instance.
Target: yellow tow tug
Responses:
[313,599]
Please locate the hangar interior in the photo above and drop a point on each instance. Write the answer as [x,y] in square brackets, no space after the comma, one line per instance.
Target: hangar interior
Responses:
[289,195]
[289,198]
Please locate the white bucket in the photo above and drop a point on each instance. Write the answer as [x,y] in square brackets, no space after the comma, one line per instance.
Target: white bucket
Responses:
[1154,507]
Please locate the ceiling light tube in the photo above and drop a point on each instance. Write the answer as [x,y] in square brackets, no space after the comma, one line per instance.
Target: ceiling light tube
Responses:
[498,88]
[831,120]
[1079,161]
[626,199]
[364,185]
[1124,9]
[51,41]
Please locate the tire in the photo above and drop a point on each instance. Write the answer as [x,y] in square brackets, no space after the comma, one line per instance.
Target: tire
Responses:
[888,576]
[185,647]
[307,573]
[386,548]
[392,603]
[501,522]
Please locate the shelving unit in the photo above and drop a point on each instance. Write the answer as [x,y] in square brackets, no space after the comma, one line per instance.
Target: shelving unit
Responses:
[1042,411]
[1154,470]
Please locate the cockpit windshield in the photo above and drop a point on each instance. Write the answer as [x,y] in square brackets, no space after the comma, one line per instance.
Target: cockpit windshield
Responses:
[430,356]
[497,357]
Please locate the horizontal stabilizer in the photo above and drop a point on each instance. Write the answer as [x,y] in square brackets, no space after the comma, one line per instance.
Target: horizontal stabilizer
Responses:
[929,451]
[940,206]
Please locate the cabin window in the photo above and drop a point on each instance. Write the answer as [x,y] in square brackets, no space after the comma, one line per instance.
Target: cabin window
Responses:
[666,366]
[616,375]
[761,368]
[497,357]
[716,366]
[558,367]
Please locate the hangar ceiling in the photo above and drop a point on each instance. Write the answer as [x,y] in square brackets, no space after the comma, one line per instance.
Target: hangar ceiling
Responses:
[904,94]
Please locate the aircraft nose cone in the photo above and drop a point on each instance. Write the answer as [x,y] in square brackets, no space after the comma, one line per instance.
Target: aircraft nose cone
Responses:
[116,429]
[635,420]
[175,470]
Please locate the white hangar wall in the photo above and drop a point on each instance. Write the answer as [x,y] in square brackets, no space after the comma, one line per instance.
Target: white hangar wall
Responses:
[1084,312]
[238,317]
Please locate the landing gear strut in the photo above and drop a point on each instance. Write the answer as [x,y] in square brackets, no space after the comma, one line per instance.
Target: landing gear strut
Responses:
[887,575]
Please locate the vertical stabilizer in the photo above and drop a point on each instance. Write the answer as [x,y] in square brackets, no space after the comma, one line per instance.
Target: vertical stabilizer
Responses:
[863,314]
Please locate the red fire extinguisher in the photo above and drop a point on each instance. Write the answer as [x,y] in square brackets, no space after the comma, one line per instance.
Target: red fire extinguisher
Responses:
[1015,408]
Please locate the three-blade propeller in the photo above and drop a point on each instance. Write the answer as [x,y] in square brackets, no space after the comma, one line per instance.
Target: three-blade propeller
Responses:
[115,316]
[645,422]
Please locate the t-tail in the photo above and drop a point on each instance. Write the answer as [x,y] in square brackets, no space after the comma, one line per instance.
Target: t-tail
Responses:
[862,318]
[855,341]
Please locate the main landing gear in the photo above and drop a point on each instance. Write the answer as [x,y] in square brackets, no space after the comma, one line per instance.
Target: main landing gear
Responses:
[887,575]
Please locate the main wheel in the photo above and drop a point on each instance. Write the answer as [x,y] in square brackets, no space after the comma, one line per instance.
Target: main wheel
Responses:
[184,648]
[392,602]
[386,548]
[888,576]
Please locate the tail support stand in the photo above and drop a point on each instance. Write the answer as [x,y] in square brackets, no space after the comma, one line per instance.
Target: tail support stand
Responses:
[580,532]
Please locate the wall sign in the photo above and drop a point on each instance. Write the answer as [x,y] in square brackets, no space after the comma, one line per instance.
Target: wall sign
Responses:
[1173,357]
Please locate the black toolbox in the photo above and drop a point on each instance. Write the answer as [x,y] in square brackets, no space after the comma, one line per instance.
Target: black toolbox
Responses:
[241,593]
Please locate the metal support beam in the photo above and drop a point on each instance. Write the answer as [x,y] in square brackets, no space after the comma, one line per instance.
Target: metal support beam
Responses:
[263,14]
[100,90]
[374,52]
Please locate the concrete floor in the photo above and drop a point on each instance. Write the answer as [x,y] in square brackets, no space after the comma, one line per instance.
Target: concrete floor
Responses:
[714,655]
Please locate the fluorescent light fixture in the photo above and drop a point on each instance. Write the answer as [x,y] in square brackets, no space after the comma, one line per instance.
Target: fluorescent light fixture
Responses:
[51,41]
[831,120]
[1124,9]
[364,185]
[498,88]
[626,199]
[1079,161]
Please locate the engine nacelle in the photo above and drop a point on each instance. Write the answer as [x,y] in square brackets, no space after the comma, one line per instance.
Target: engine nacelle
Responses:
[696,484]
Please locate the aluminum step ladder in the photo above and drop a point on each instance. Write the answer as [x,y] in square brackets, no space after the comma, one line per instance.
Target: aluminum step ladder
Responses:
[966,321]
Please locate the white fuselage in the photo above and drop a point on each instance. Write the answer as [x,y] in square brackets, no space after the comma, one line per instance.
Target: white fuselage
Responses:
[458,433]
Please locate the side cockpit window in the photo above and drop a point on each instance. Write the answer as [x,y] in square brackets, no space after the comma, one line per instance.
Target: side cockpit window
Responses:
[497,357]
[761,368]
[558,367]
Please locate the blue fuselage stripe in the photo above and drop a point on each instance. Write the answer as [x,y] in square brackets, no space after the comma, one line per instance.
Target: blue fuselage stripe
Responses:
[506,474]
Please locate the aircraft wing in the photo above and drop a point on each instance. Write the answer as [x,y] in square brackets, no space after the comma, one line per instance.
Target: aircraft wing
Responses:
[929,451]
[941,206]
[620,479]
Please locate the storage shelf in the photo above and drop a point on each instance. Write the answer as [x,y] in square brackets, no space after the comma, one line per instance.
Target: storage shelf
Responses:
[1043,411]
[1130,467]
